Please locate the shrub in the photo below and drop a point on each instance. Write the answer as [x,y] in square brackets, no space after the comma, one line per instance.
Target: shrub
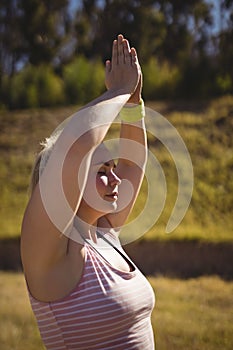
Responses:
[34,87]
[160,80]
[83,79]
[224,83]
[50,87]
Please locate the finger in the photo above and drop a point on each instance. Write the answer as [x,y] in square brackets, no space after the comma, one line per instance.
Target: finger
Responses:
[120,49]
[134,57]
[114,53]
[108,66]
[140,83]
[141,80]
[120,37]
[127,54]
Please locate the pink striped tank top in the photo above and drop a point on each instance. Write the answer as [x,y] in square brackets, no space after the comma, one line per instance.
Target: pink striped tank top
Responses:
[108,309]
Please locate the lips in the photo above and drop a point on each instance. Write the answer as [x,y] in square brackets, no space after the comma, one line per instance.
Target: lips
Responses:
[113,195]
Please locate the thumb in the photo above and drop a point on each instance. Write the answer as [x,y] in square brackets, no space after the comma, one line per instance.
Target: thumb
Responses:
[108,66]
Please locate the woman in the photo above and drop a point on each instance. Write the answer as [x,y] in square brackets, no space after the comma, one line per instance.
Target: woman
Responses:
[84,290]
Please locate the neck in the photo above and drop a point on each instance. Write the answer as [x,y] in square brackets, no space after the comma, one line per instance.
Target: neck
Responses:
[86,214]
[84,226]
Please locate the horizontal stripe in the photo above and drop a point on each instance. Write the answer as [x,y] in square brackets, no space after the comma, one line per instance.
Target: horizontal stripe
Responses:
[68,319]
[118,324]
[109,301]
[108,308]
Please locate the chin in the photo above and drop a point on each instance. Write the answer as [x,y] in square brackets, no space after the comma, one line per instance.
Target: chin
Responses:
[104,208]
[114,206]
[110,207]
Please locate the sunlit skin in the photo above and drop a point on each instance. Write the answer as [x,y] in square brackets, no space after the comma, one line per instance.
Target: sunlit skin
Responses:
[53,262]
[102,187]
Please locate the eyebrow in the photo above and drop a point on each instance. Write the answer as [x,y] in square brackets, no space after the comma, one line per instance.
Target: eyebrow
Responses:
[106,164]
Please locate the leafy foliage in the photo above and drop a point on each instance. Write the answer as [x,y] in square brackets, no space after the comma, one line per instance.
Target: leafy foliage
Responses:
[45,29]
[84,80]
[179,36]
[34,87]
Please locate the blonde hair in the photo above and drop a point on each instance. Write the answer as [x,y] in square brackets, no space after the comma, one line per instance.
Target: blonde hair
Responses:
[42,159]
[35,174]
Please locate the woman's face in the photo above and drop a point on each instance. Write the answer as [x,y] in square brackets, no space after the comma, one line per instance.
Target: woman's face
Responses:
[101,191]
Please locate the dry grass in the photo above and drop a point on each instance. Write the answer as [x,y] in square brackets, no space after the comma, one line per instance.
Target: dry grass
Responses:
[196,314]
[18,330]
[206,129]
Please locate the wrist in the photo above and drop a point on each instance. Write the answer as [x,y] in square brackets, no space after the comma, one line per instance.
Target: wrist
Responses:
[133,112]
[134,100]
[124,90]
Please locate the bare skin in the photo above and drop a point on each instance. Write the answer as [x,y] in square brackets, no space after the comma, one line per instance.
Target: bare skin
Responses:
[52,262]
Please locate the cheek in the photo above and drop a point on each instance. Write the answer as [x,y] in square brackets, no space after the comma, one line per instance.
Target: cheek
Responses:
[95,187]
[101,181]
[92,191]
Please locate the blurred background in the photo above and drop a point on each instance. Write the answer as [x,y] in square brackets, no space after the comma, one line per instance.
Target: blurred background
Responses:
[52,56]
[185,48]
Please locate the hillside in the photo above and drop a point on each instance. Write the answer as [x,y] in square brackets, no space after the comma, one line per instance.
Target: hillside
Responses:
[206,127]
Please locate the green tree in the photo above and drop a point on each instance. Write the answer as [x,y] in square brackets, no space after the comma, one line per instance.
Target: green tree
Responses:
[10,41]
[9,36]
[169,29]
[44,26]
[186,28]
[225,47]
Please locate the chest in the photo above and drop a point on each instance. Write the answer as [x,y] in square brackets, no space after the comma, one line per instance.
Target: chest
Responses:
[107,307]
[116,259]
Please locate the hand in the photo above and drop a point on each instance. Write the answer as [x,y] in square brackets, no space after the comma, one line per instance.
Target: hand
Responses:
[123,71]
[137,95]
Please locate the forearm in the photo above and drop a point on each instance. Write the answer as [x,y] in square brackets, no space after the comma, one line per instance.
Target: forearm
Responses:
[108,97]
[133,144]
[91,123]
[72,152]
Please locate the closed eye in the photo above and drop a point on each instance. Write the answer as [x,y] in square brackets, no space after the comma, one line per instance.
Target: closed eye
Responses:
[106,167]
[101,172]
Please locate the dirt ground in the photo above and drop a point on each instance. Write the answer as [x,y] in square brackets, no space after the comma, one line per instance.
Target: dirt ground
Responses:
[173,259]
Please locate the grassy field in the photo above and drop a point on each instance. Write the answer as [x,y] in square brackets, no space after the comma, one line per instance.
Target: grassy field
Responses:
[193,314]
[206,127]
[196,314]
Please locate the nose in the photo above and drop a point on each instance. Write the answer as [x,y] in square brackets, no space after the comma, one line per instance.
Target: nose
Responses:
[114,179]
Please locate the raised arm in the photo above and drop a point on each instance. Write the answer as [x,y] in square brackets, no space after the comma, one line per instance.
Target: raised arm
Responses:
[57,196]
[132,157]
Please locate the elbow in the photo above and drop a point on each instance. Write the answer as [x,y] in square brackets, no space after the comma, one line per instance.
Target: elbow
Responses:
[87,141]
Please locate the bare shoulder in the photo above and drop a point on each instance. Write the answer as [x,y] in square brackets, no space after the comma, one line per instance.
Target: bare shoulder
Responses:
[38,235]
[58,281]
[46,224]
